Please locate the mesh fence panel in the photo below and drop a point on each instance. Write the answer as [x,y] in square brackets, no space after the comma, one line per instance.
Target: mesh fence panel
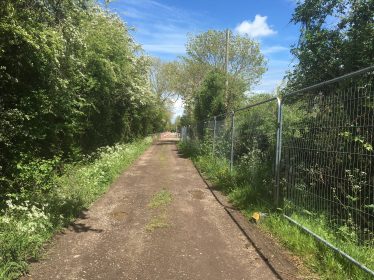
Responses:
[222,147]
[254,148]
[327,157]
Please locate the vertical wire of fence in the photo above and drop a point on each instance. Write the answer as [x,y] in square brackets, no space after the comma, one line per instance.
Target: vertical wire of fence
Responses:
[309,153]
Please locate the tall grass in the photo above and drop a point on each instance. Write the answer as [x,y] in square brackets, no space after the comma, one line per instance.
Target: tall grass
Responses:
[31,217]
[248,188]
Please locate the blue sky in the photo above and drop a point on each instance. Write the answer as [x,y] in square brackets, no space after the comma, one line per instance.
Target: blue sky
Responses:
[162,26]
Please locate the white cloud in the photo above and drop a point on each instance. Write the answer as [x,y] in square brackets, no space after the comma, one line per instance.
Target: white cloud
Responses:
[256,28]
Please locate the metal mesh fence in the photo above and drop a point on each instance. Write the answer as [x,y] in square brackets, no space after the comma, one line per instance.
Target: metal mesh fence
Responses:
[310,153]
[254,148]
[222,140]
[328,149]
[245,140]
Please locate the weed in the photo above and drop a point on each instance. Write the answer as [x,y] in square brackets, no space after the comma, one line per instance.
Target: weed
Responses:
[161,198]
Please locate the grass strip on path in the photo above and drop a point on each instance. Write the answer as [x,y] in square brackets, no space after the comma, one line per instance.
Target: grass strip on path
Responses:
[159,200]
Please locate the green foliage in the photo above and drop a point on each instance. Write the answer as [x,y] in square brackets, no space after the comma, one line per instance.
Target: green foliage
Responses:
[162,78]
[245,59]
[72,79]
[337,37]
[31,217]
[256,128]
[189,149]
[210,100]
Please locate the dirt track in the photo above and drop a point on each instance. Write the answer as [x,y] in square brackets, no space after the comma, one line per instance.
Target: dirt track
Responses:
[122,237]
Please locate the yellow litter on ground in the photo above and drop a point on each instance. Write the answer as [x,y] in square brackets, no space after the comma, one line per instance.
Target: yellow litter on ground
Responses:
[256,217]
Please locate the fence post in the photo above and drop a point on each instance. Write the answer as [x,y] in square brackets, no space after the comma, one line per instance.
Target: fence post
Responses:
[232,141]
[214,134]
[278,150]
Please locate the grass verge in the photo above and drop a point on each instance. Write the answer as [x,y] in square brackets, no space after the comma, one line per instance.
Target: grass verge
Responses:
[248,193]
[31,218]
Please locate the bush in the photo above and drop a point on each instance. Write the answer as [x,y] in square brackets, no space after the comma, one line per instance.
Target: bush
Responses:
[190,148]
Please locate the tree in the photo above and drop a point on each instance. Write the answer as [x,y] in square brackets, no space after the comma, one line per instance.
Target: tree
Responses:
[336,37]
[162,78]
[210,99]
[188,79]
[206,52]
[245,59]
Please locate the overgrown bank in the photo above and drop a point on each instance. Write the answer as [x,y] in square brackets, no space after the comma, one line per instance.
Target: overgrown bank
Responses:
[72,80]
[247,188]
[30,219]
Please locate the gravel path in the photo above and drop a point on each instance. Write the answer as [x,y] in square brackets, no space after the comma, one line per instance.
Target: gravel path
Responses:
[126,236]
